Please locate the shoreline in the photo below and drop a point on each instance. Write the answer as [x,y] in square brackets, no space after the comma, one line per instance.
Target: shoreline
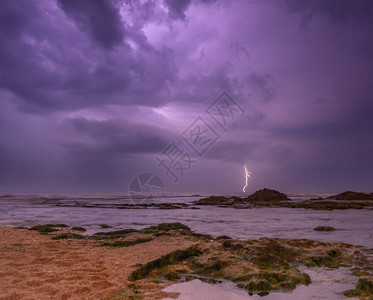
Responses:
[66,264]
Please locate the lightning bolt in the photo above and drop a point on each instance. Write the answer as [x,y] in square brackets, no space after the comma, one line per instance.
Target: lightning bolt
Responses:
[247,175]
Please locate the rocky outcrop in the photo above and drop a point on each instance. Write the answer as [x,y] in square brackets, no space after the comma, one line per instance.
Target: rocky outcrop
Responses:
[213,200]
[348,195]
[273,198]
[259,266]
[267,195]
[259,197]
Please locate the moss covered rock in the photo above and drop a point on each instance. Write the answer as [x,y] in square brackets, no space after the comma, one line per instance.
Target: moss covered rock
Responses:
[363,289]
[78,228]
[324,228]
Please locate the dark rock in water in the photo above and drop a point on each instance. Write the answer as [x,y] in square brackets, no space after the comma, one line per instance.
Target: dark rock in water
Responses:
[105,226]
[213,200]
[324,228]
[259,197]
[267,195]
[348,195]
[170,226]
[273,198]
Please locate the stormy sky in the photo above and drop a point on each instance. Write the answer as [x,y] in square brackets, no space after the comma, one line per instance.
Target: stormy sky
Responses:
[93,93]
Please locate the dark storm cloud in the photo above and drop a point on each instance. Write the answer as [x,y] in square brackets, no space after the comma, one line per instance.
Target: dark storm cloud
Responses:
[337,10]
[99,18]
[51,68]
[177,8]
[91,91]
[14,17]
[114,138]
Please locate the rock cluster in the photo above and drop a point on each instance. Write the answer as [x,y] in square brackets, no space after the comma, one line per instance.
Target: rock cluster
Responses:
[348,195]
[262,196]
[267,195]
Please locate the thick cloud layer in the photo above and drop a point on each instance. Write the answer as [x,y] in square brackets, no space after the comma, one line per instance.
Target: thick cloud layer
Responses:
[92,92]
[99,19]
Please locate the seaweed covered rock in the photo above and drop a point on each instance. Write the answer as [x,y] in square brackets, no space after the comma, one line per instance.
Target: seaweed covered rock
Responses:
[68,235]
[171,226]
[78,228]
[267,195]
[363,289]
[168,259]
[44,228]
[259,266]
[324,228]
[127,243]
[349,195]
[47,228]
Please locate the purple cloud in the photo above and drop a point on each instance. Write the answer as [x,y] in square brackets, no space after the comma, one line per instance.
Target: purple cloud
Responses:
[92,91]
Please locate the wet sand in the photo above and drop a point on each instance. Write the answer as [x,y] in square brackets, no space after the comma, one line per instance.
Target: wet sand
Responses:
[32,266]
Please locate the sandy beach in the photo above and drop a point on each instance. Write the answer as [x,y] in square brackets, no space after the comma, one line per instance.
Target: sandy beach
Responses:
[52,262]
[35,267]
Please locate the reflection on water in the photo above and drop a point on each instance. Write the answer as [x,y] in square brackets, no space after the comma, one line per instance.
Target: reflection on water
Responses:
[326,284]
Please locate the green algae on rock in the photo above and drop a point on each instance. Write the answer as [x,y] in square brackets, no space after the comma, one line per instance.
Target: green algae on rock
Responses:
[363,289]
[78,228]
[168,259]
[68,235]
[259,266]
[44,228]
[119,244]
